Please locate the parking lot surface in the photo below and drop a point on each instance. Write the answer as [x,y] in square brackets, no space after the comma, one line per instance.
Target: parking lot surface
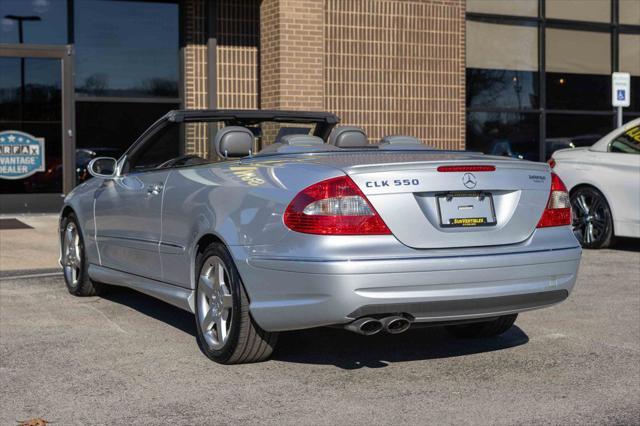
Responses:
[129,359]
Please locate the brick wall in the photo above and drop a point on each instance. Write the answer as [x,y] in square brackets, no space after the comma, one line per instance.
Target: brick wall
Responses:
[397,67]
[390,66]
[292,54]
[237,52]
[195,74]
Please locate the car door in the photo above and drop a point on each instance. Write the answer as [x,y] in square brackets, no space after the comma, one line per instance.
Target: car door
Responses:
[128,207]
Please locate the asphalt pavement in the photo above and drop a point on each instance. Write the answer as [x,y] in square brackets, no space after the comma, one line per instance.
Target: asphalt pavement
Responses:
[129,359]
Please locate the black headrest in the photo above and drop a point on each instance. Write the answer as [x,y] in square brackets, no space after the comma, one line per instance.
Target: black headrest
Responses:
[348,137]
[301,140]
[233,141]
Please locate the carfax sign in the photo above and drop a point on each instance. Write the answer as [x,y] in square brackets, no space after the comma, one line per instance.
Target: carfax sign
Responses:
[21,154]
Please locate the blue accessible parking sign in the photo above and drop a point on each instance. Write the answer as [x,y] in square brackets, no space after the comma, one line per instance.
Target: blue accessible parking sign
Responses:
[21,154]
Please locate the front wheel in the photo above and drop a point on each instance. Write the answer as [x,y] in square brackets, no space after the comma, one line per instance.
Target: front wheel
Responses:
[226,332]
[592,220]
[74,260]
[483,329]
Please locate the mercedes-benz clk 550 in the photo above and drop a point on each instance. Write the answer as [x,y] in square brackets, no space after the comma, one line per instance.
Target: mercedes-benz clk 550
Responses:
[260,222]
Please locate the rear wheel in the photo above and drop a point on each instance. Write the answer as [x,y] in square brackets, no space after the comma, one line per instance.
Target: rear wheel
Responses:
[74,260]
[483,329]
[592,220]
[225,330]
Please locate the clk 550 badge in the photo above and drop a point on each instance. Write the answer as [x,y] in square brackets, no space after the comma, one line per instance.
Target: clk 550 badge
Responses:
[388,183]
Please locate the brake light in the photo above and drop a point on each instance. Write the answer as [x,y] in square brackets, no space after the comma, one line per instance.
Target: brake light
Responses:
[466,168]
[558,210]
[334,207]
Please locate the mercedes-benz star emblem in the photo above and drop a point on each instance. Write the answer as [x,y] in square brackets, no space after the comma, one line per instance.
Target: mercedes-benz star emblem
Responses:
[469,180]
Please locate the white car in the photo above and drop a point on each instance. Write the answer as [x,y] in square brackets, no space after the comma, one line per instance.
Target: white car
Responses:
[604,184]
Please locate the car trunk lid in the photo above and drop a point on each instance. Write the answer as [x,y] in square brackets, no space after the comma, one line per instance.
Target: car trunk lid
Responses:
[455,200]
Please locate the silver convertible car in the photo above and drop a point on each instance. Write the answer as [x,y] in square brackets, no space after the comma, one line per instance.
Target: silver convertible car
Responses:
[265,221]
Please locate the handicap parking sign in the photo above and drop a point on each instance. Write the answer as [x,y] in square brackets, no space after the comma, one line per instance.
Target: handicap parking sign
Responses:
[621,95]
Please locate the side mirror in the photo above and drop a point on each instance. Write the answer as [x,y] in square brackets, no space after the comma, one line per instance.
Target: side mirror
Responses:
[103,167]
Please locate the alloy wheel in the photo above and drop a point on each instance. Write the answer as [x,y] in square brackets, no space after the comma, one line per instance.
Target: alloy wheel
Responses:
[590,216]
[215,303]
[72,250]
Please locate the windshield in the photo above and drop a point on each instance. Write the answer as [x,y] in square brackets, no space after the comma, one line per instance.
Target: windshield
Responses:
[628,142]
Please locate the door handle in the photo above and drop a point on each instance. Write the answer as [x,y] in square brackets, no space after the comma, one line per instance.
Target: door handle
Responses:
[154,189]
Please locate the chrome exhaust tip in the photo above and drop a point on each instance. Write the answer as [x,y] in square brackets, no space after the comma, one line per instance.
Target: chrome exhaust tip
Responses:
[395,324]
[365,326]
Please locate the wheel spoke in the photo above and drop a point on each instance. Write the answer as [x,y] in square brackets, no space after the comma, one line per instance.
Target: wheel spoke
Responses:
[207,285]
[227,301]
[589,233]
[221,328]
[208,321]
[219,276]
[582,204]
[69,236]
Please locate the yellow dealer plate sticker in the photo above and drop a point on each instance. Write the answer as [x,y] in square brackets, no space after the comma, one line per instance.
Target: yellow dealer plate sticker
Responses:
[468,221]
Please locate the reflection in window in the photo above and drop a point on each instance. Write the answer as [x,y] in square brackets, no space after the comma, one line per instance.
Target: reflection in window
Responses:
[629,12]
[127,48]
[513,135]
[111,127]
[37,97]
[502,7]
[43,21]
[502,65]
[502,88]
[579,10]
[578,70]
[573,130]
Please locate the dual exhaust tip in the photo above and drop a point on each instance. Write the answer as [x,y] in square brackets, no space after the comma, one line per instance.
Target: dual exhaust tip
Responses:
[367,326]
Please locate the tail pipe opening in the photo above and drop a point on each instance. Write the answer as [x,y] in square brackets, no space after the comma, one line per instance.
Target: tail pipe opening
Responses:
[395,324]
[365,326]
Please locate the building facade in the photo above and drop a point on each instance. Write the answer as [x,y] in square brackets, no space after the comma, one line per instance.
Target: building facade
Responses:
[80,78]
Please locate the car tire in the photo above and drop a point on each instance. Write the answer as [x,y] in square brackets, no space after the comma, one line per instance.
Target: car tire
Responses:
[74,260]
[225,330]
[591,217]
[483,329]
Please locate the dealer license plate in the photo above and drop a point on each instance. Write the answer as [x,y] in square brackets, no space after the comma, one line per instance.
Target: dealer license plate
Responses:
[466,209]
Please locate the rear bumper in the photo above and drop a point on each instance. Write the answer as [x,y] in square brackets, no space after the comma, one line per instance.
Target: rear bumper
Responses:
[294,293]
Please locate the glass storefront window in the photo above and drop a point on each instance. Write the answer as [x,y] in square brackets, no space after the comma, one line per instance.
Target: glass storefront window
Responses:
[578,70]
[31,105]
[629,13]
[42,21]
[574,130]
[127,48]
[502,65]
[513,135]
[502,7]
[107,129]
[579,10]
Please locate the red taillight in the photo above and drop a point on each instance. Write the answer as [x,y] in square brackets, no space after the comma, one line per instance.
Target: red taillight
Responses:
[558,210]
[334,207]
[466,168]
[551,163]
